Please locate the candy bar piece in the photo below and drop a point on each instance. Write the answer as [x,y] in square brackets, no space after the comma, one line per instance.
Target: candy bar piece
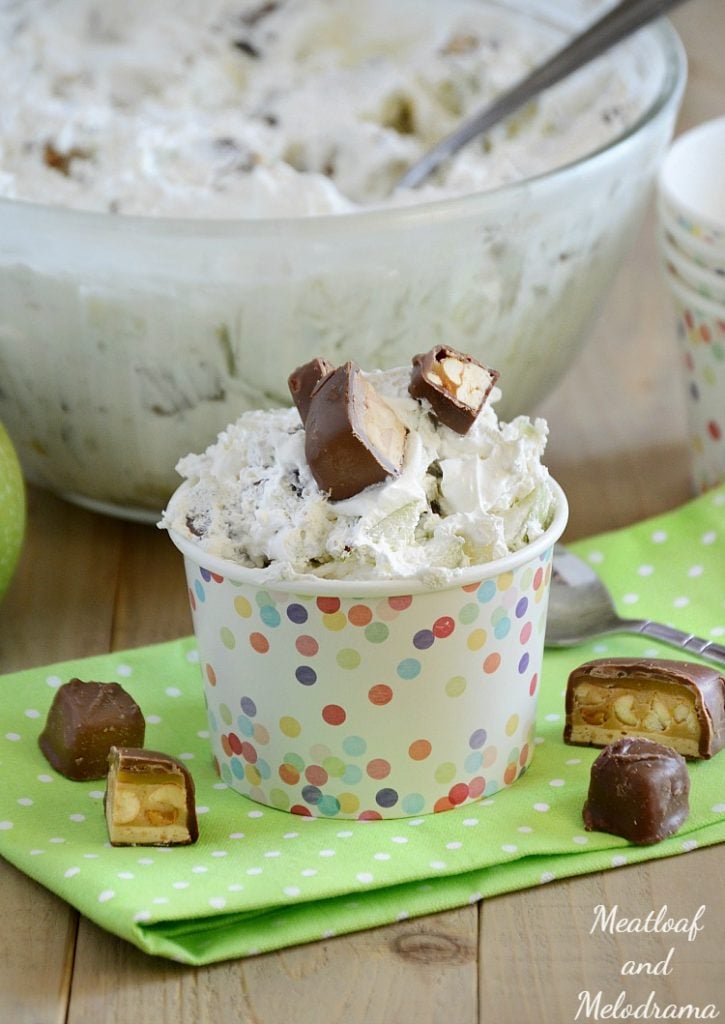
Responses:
[455,384]
[674,702]
[84,721]
[638,789]
[302,380]
[352,436]
[149,799]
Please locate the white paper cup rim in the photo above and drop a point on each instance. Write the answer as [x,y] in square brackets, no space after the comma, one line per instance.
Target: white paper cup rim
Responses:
[691,273]
[310,584]
[687,295]
[688,266]
[690,244]
[691,175]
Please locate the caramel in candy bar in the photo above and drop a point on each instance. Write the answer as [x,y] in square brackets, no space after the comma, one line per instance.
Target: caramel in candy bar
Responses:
[639,790]
[676,703]
[302,381]
[84,721]
[149,799]
[352,436]
[455,384]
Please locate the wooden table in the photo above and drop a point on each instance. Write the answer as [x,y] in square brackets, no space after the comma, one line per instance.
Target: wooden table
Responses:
[618,447]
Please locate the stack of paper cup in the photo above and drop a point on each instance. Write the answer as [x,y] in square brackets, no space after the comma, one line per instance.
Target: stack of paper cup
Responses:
[691,213]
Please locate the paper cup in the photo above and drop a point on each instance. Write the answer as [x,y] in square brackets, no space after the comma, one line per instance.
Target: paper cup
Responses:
[697,254]
[691,184]
[700,325]
[372,699]
[705,282]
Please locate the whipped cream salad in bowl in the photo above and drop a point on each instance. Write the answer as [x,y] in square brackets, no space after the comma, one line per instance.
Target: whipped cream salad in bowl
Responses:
[195,197]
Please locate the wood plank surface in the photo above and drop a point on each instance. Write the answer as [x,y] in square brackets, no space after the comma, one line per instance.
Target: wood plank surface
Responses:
[400,974]
[88,584]
[37,950]
[533,980]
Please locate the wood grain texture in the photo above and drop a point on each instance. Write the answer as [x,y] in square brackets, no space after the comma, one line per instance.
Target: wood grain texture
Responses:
[37,948]
[417,973]
[151,603]
[88,585]
[541,949]
[61,602]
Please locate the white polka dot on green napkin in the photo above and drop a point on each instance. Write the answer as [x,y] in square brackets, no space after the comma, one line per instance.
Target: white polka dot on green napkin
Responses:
[259,879]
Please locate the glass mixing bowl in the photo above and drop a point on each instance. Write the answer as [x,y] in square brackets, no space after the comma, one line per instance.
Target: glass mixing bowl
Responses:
[126,342]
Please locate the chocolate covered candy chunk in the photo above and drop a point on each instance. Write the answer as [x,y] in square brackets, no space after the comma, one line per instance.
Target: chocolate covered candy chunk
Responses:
[639,790]
[84,721]
[674,702]
[352,436]
[149,799]
[302,381]
[455,384]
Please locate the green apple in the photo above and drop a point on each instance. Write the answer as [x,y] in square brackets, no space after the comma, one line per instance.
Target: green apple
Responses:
[12,510]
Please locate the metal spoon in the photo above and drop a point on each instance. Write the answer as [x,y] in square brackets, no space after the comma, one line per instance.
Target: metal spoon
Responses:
[611,28]
[581,608]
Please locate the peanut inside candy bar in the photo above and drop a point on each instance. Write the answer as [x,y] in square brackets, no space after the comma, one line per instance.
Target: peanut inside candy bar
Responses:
[675,703]
[455,384]
[149,799]
[353,438]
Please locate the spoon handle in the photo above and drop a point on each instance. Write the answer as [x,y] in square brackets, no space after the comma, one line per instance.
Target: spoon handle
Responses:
[615,25]
[685,641]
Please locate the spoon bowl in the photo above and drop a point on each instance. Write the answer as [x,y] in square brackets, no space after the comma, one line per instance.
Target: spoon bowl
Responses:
[581,609]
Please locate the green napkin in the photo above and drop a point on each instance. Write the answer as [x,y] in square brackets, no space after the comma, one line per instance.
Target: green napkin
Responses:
[260,879]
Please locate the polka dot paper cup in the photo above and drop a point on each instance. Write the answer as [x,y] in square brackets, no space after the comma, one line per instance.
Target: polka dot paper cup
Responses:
[700,326]
[690,188]
[376,699]
[688,248]
[707,283]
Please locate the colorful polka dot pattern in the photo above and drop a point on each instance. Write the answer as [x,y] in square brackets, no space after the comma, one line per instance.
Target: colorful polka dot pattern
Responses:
[701,338]
[685,272]
[260,879]
[705,234]
[385,707]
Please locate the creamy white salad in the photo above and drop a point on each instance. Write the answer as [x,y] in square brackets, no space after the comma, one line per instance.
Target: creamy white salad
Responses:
[265,108]
[459,500]
[129,338]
